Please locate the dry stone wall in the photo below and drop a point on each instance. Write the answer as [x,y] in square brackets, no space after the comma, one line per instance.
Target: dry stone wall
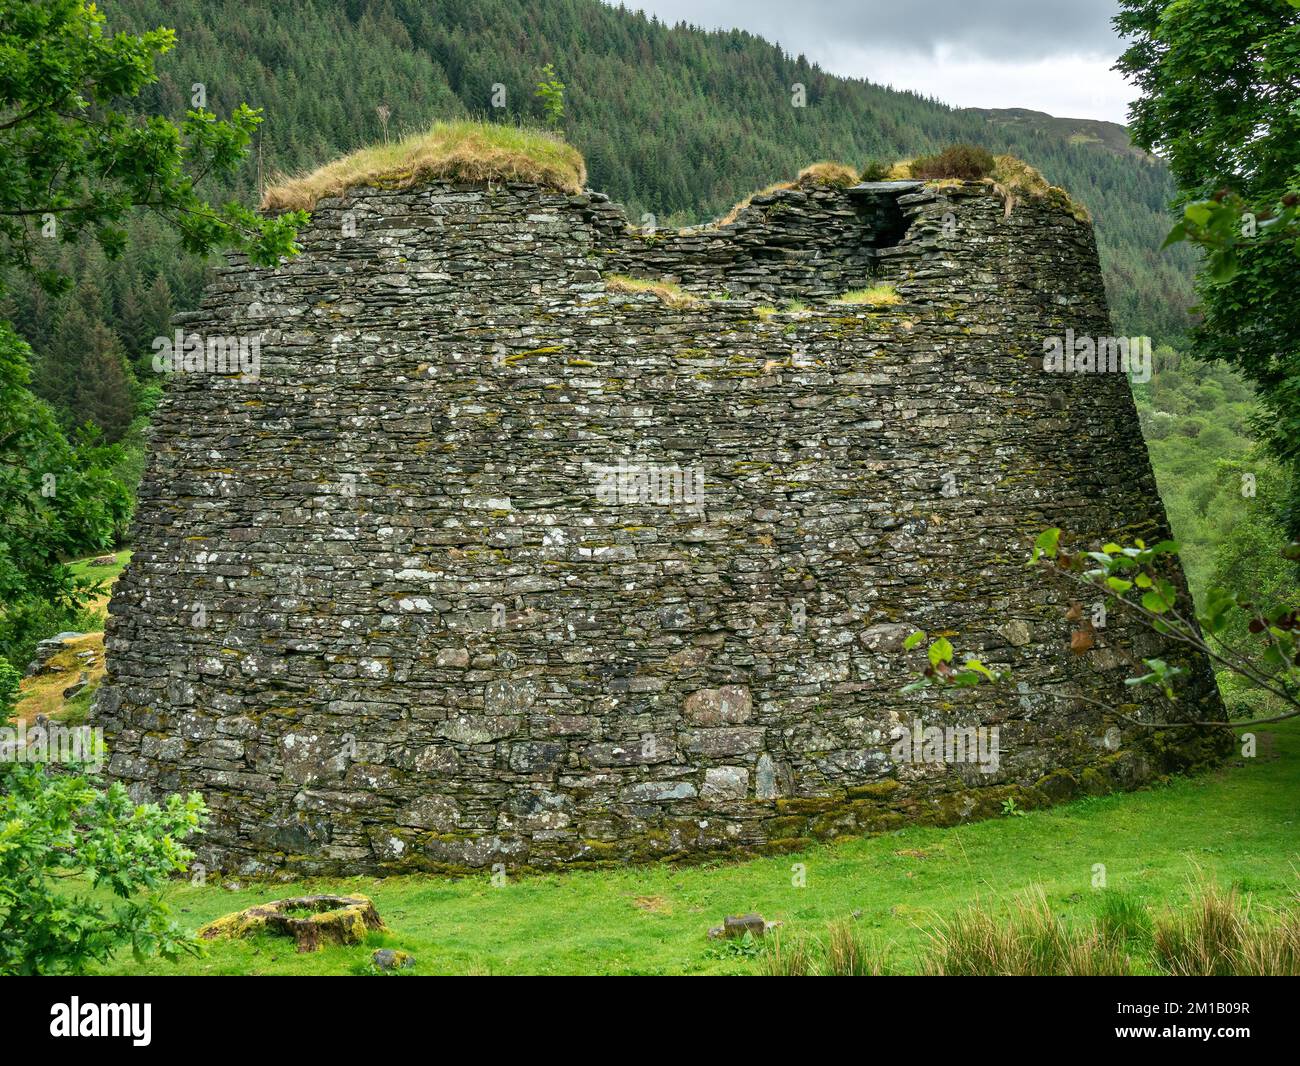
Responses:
[391,608]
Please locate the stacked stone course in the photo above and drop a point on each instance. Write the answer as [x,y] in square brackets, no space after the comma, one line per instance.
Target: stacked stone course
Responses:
[424,641]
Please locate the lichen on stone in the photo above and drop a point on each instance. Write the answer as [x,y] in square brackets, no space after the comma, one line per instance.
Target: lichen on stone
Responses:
[435,642]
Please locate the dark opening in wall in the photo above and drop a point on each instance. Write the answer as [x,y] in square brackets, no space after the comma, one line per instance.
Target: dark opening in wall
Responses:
[884,220]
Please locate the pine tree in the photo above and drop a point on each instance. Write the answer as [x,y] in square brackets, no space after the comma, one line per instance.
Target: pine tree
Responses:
[83,372]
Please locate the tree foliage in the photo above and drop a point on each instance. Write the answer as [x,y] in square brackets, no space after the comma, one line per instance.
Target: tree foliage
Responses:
[75,164]
[60,836]
[78,161]
[58,498]
[550,90]
[1220,82]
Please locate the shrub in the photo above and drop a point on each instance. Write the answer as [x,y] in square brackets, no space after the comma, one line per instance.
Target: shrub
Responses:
[550,90]
[9,680]
[965,161]
[876,171]
[59,831]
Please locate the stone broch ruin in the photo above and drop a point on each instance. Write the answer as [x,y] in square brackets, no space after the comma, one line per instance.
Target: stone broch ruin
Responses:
[385,613]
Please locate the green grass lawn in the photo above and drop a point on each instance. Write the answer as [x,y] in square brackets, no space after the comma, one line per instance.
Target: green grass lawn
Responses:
[1238,826]
[43,693]
[106,574]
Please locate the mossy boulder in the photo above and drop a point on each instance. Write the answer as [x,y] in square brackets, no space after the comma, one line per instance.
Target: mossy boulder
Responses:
[390,960]
[1058,786]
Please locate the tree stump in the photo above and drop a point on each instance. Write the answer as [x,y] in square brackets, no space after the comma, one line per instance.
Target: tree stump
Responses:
[310,920]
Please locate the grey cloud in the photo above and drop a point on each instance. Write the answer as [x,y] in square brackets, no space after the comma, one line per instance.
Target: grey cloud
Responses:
[994,29]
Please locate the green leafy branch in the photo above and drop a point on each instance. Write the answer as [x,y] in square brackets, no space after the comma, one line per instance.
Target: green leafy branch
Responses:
[77,165]
[941,670]
[1226,222]
[1134,578]
[550,90]
[60,829]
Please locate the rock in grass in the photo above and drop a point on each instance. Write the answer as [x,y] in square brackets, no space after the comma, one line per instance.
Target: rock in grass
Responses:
[389,960]
[76,686]
[310,920]
[46,650]
[734,927]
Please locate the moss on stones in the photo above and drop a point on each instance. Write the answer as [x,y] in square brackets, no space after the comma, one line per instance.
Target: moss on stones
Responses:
[310,920]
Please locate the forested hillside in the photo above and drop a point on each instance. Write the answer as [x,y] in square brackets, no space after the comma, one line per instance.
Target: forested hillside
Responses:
[672,120]
[1108,135]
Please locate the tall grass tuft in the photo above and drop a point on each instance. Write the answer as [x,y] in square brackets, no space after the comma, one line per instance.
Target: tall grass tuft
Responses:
[882,295]
[1220,937]
[1030,941]
[669,293]
[1123,919]
[1206,940]
[848,954]
[786,956]
[1272,951]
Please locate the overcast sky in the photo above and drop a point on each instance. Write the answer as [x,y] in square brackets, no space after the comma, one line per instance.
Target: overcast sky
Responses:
[1048,55]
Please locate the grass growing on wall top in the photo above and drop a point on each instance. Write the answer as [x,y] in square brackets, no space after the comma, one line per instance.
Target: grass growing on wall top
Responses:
[459,151]
[825,173]
[1011,178]
[671,294]
[881,295]
[828,172]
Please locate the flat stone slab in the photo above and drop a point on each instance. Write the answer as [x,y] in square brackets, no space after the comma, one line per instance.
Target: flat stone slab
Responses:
[735,926]
[891,187]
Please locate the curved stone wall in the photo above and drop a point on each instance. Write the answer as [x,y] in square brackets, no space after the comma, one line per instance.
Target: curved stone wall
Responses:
[490,564]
